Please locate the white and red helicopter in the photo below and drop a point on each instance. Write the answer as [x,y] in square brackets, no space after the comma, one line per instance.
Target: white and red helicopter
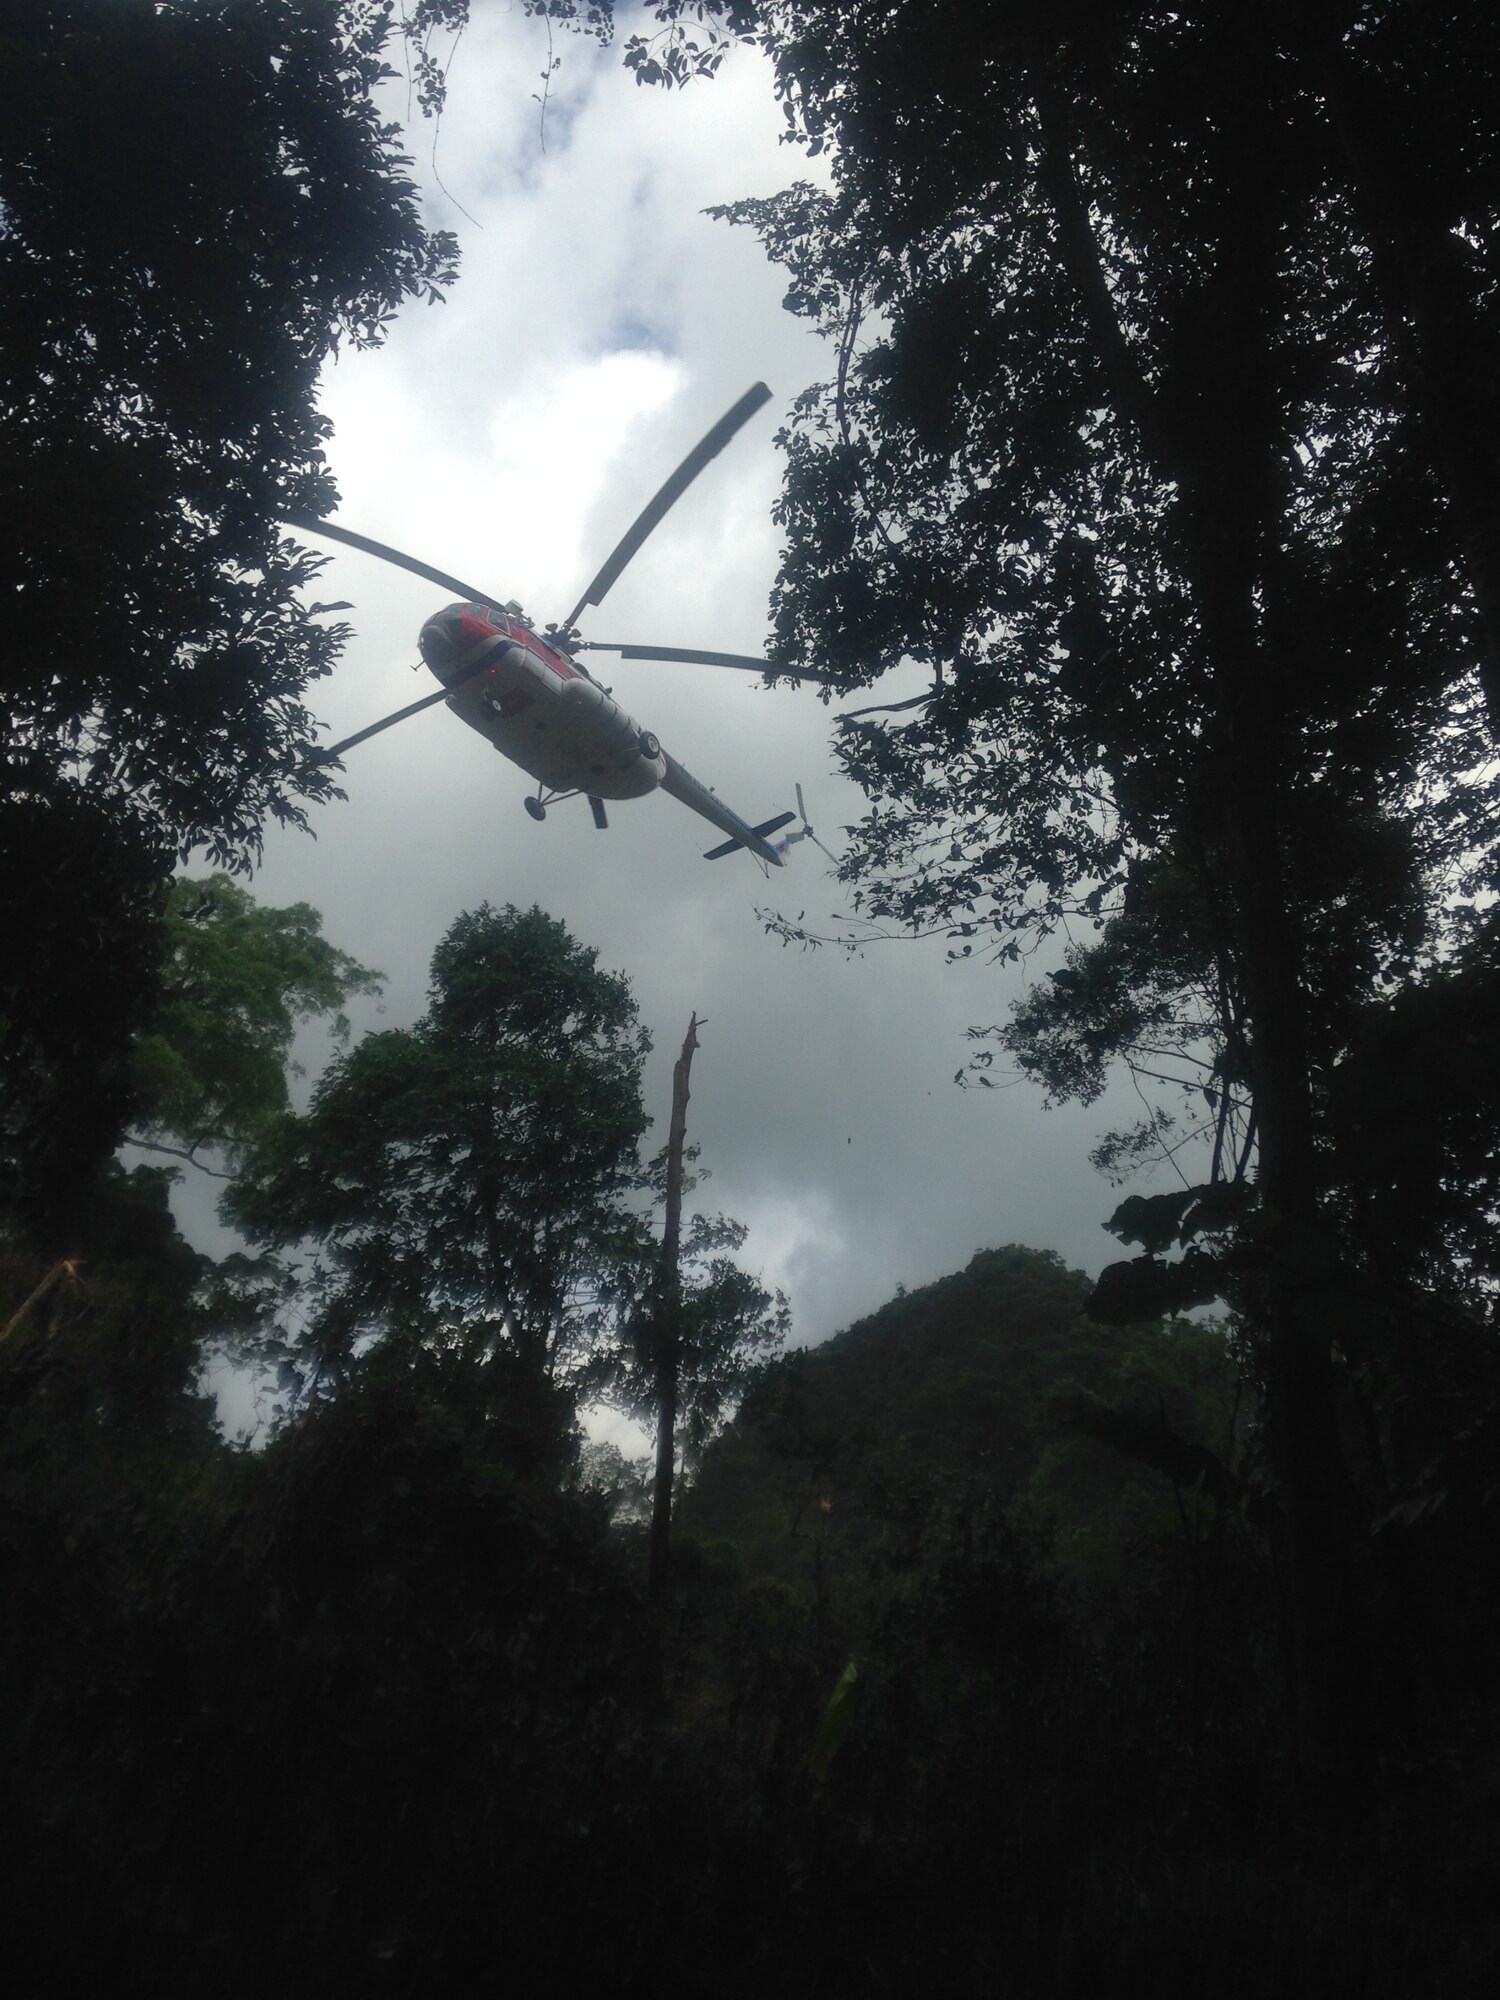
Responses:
[539,705]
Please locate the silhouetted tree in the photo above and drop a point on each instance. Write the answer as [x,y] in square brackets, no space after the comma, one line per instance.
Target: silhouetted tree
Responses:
[1137,447]
[201,203]
[467,1178]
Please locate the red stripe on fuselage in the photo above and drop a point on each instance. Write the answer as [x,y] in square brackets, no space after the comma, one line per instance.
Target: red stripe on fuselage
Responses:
[558,662]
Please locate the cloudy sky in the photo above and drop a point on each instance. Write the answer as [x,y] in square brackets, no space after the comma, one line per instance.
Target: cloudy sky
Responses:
[601,323]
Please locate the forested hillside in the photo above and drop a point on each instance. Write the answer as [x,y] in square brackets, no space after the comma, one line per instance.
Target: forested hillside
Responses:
[995,1385]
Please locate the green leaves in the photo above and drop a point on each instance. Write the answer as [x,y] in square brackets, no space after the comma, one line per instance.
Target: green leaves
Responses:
[200,204]
[835,1722]
[210,1066]
[466,1179]
[1150,502]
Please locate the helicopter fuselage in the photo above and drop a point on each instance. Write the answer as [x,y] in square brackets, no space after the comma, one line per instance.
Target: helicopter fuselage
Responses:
[538,707]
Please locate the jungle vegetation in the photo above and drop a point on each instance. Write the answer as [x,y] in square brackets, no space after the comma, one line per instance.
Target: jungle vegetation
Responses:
[1039,1633]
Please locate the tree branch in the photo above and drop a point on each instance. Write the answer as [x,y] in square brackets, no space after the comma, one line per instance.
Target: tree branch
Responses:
[1078,249]
[177,1153]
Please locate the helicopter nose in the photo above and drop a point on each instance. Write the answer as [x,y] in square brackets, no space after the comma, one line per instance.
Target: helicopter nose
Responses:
[450,633]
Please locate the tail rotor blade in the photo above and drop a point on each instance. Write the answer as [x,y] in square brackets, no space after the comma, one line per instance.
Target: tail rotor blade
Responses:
[650,516]
[807,832]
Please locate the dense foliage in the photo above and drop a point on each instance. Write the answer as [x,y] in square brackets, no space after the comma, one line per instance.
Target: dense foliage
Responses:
[400,1666]
[1161,435]
[211,1062]
[198,204]
[1020,1639]
[467,1177]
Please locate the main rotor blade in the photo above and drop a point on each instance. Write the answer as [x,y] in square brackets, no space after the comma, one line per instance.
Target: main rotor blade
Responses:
[707,448]
[688,653]
[308,526]
[697,656]
[399,715]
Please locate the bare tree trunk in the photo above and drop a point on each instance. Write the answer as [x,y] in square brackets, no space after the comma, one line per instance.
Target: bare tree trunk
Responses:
[666,1332]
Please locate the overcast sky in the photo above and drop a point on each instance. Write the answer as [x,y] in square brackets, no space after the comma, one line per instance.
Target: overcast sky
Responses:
[600,324]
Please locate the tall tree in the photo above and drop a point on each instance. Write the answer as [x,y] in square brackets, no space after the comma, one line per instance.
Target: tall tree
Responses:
[467,1179]
[107,1292]
[666,1322]
[200,203]
[690,1325]
[1124,446]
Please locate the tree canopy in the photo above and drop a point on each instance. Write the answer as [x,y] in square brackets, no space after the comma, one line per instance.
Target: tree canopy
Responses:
[211,1063]
[470,1172]
[199,204]
[1152,326]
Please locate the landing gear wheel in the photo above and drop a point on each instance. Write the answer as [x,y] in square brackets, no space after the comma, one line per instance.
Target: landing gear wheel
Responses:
[536,808]
[650,744]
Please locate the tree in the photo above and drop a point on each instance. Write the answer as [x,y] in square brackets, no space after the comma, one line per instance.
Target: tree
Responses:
[1131,445]
[105,1307]
[726,1325]
[674,55]
[467,1179]
[201,202]
[80,960]
[210,1066]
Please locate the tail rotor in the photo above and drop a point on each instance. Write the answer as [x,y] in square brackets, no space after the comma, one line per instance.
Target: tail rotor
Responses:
[807,832]
[804,832]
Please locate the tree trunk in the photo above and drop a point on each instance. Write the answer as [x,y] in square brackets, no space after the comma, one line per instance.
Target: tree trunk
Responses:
[1431,288]
[1298,1258]
[1299,1264]
[666,1332]
[1212,426]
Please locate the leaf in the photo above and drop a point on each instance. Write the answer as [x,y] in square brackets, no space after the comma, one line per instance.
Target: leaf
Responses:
[835,1723]
[1218,1206]
[1144,1288]
[1152,1220]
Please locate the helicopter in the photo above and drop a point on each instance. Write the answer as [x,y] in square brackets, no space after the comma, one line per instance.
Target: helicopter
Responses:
[530,695]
